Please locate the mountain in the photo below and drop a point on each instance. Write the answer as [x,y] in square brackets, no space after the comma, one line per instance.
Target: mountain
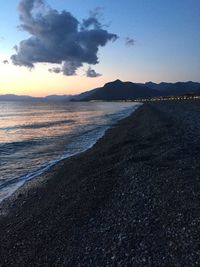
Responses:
[53,98]
[11,97]
[83,95]
[118,90]
[57,97]
[174,89]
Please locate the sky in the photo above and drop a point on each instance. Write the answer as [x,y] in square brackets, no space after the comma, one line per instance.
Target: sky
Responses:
[66,47]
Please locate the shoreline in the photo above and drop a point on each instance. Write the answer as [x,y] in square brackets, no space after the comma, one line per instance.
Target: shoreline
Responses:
[43,170]
[130,199]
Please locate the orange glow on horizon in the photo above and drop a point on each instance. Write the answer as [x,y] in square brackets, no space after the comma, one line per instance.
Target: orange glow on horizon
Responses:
[39,82]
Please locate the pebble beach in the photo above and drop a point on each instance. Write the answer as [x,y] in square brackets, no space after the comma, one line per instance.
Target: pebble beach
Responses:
[131,200]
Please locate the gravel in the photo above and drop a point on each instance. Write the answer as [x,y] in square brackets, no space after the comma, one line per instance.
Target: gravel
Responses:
[131,200]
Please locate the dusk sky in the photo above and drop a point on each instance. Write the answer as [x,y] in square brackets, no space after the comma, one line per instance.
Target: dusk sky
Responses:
[94,42]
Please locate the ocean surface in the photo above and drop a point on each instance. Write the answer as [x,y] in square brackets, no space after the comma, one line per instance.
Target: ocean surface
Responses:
[34,136]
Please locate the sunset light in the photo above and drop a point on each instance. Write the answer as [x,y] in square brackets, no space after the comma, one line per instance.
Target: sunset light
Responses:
[99,133]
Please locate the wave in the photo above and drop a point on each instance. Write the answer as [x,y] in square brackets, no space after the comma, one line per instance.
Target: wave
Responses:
[47,166]
[24,114]
[13,146]
[76,142]
[36,125]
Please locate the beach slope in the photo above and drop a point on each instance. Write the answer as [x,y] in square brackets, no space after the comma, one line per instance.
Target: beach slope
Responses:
[131,200]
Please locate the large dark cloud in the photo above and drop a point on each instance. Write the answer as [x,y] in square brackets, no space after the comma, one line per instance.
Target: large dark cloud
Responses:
[58,38]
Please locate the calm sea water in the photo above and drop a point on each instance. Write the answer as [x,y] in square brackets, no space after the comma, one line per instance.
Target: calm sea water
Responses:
[35,136]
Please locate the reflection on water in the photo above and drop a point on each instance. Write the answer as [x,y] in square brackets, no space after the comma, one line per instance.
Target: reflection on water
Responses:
[35,135]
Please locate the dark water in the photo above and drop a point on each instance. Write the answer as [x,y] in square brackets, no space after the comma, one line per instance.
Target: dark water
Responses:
[35,136]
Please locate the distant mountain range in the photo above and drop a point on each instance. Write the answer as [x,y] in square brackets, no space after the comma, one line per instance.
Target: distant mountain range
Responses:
[174,89]
[11,97]
[118,90]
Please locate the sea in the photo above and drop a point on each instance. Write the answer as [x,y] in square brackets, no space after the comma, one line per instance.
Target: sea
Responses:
[34,136]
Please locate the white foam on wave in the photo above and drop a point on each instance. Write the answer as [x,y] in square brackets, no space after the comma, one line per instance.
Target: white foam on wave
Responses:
[9,187]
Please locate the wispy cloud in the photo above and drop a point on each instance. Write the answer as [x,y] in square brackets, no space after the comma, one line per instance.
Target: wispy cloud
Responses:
[92,73]
[129,41]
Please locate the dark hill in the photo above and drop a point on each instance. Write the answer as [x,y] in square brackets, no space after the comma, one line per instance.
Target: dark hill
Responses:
[83,95]
[11,97]
[174,89]
[119,90]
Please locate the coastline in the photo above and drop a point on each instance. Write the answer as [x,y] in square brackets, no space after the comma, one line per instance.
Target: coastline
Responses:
[130,199]
[16,182]
[34,179]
